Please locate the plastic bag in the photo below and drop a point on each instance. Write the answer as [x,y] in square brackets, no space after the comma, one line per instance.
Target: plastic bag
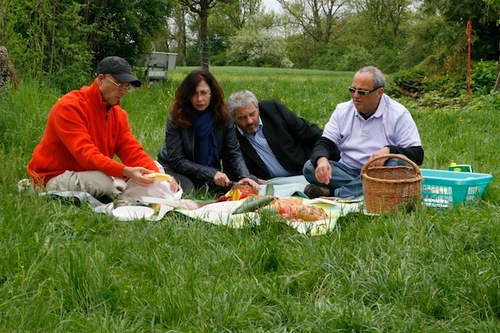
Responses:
[159,189]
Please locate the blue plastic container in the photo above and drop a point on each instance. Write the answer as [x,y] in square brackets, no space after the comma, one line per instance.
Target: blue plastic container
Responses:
[443,188]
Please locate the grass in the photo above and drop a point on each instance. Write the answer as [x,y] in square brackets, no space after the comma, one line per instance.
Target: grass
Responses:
[66,269]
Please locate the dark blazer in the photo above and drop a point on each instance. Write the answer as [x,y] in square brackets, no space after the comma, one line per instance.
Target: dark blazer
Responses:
[290,137]
[177,153]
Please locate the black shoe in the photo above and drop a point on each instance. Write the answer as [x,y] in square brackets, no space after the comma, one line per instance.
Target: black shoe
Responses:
[316,191]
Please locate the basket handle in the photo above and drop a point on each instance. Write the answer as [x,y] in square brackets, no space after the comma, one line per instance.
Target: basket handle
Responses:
[401,157]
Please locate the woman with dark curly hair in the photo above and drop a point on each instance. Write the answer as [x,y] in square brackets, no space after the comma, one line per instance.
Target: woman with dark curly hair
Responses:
[199,135]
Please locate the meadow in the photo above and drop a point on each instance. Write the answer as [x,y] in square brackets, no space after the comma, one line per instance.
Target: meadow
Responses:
[65,268]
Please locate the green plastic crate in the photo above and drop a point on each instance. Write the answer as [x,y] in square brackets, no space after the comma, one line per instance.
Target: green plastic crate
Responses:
[443,188]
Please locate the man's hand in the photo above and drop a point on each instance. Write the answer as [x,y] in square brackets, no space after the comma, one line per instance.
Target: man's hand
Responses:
[250,182]
[381,161]
[221,179]
[323,172]
[174,186]
[137,175]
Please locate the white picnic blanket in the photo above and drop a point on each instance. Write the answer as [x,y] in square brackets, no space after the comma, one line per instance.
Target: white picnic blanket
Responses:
[220,213]
[286,186]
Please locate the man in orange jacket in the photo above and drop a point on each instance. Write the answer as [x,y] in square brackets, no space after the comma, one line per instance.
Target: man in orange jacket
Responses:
[85,129]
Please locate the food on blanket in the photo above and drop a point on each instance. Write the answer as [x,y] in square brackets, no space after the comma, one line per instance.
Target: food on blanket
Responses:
[350,199]
[238,192]
[278,203]
[293,209]
[252,204]
[159,176]
[309,212]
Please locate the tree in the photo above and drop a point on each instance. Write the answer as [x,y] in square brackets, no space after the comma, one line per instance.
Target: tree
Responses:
[497,84]
[202,8]
[177,29]
[7,71]
[241,11]
[316,18]
[311,26]
[382,28]
[46,40]
[6,6]
[252,47]
[228,21]
[383,18]
[124,27]
[61,41]
[484,15]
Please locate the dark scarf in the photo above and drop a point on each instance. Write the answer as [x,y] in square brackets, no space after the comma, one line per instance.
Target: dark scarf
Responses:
[205,149]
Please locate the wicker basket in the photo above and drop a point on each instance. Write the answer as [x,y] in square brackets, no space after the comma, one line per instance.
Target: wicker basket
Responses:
[387,187]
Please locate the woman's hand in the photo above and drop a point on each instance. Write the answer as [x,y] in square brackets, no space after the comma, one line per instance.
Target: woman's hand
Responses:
[221,179]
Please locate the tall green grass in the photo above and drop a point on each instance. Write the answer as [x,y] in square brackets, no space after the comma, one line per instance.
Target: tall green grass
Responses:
[67,269]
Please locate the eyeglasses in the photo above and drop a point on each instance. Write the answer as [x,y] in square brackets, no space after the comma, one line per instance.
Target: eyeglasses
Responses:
[202,93]
[352,90]
[120,86]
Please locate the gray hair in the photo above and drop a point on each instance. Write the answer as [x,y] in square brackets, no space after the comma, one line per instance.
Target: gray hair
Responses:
[240,99]
[378,77]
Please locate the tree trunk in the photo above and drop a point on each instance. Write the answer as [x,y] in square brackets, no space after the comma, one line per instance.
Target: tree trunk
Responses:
[204,50]
[497,84]
[7,70]
[182,36]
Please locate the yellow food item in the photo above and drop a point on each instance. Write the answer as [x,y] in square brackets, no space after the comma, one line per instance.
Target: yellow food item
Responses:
[159,176]
[155,207]
[234,194]
[238,192]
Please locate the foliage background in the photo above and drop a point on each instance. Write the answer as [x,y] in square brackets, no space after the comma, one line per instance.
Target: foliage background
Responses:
[59,43]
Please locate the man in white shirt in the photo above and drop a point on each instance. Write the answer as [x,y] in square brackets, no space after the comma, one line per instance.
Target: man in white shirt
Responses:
[369,125]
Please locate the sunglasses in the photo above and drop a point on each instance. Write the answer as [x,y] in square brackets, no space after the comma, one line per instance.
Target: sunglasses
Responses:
[352,90]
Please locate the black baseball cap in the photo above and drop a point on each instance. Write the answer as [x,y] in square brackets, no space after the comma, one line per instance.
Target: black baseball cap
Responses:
[119,68]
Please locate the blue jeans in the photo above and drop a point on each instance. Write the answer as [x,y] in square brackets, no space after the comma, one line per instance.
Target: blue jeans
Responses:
[345,182]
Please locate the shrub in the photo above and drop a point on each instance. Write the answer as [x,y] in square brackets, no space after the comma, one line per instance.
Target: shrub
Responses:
[355,58]
[483,77]
[412,81]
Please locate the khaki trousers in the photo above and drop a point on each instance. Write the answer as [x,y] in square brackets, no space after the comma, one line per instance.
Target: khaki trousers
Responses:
[95,183]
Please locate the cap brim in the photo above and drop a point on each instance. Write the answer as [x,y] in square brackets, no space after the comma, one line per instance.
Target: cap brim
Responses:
[127,78]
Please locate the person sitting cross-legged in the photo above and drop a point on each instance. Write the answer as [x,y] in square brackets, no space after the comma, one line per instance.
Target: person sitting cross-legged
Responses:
[200,147]
[369,125]
[85,130]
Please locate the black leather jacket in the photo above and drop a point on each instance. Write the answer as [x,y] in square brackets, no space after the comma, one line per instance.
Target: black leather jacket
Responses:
[291,139]
[177,153]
